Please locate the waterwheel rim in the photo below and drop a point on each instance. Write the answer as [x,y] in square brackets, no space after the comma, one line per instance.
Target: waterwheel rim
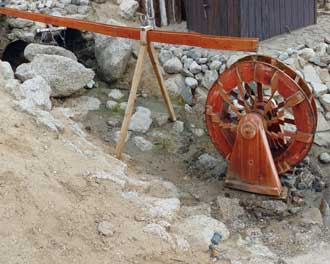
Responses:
[242,89]
[289,71]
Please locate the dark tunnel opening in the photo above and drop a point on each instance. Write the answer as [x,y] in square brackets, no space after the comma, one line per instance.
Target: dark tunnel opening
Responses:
[14,53]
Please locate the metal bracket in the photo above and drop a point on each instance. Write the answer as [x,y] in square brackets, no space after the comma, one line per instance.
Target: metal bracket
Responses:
[144,34]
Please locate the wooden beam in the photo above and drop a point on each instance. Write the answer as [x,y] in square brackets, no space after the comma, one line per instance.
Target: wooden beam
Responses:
[178,38]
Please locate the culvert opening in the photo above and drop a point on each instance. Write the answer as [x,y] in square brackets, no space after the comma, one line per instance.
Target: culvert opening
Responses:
[71,39]
[14,53]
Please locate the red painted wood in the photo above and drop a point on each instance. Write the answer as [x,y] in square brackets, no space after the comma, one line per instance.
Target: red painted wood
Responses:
[179,38]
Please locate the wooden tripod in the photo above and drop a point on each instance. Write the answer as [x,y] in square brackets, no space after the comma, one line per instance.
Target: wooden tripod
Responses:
[146,47]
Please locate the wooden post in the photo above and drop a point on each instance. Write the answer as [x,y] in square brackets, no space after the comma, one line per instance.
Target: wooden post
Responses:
[146,47]
[161,82]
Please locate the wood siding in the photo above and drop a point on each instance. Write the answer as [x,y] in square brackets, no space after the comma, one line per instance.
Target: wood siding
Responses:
[249,18]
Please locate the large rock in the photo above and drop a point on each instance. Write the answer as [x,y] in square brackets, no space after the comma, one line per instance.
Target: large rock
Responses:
[199,229]
[311,75]
[176,84]
[36,91]
[65,76]
[6,72]
[325,101]
[209,78]
[173,65]
[34,49]
[112,55]
[141,120]
[128,8]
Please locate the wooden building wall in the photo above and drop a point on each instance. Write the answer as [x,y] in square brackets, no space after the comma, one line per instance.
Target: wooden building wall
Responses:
[249,18]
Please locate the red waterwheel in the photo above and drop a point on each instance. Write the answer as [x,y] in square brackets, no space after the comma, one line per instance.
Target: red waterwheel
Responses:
[287,108]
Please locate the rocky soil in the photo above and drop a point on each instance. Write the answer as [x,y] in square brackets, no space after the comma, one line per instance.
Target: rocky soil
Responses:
[66,199]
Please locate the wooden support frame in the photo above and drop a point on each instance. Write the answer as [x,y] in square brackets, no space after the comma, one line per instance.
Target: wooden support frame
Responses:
[145,48]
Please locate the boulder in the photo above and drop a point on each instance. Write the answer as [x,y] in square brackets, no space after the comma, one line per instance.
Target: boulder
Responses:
[128,8]
[34,49]
[141,120]
[36,92]
[142,143]
[325,101]
[116,94]
[165,55]
[173,65]
[6,72]
[311,75]
[324,158]
[209,79]
[65,76]
[319,88]
[112,55]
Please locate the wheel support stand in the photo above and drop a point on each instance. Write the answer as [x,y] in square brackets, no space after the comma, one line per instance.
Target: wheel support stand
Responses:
[251,164]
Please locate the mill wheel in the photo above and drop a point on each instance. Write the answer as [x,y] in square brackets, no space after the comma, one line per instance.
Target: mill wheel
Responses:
[259,87]
[289,71]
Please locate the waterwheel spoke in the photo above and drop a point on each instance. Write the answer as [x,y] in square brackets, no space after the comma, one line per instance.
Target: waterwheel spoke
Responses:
[215,118]
[242,90]
[260,95]
[298,136]
[274,89]
[226,98]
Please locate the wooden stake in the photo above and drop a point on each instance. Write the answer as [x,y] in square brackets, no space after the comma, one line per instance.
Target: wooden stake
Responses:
[161,82]
[131,100]
[146,46]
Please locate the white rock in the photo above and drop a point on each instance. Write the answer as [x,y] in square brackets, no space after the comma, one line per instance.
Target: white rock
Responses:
[34,49]
[123,105]
[115,136]
[105,228]
[209,79]
[319,88]
[195,67]
[199,229]
[82,105]
[65,76]
[173,65]
[142,143]
[198,132]
[112,54]
[159,231]
[175,84]
[178,127]
[215,65]
[311,75]
[325,158]
[306,53]
[141,120]
[191,82]
[6,72]
[111,104]
[37,92]
[19,23]
[322,124]
[165,55]
[116,94]
[164,208]
[325,101]
[128,8]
